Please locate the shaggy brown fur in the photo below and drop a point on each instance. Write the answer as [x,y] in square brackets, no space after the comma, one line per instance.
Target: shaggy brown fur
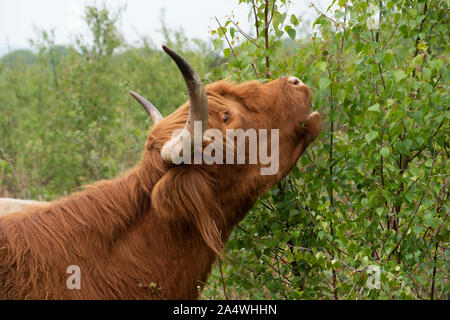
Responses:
[155,232]
[8,205]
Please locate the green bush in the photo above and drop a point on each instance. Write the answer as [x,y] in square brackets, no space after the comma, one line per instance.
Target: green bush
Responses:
[372,193]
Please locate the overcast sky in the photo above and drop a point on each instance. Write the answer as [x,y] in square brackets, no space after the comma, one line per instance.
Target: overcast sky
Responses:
[20,18]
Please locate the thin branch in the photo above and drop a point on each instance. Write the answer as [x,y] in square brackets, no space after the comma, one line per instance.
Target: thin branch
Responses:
[337,24]
[312,161]
[390,37]
[432,240]
[418,205]
[266,38]
[256,18]
[430,139]
[223,280]
[246,36]
[339,159]
[425,8]
[271,14]
[434,271]
[226,38]
[329,241]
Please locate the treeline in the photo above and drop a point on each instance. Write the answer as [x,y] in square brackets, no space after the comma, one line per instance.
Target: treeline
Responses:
[66,118]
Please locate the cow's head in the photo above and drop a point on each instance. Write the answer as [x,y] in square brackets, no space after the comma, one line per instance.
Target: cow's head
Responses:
[213,193]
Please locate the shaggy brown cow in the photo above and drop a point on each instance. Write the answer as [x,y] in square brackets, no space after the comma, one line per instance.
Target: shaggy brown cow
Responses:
[155,232]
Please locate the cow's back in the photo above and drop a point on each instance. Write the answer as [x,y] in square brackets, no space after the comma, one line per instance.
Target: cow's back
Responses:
[8,205]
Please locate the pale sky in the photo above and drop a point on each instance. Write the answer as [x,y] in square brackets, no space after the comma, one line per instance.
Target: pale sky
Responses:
[19,18]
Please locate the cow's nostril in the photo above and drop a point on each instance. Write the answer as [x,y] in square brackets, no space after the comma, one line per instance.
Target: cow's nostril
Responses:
[295,81]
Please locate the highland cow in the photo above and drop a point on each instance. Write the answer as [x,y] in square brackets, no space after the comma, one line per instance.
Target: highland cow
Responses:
[155,232]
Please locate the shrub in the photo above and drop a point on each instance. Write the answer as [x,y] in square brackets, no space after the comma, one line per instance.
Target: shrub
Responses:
[364,215]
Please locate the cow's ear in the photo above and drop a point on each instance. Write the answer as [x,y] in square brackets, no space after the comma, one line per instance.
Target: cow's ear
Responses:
[185,195]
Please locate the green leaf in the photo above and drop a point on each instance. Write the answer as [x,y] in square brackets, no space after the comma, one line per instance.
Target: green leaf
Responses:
[384,151]
[232,32]
[340,95]
[375,107]
[436,64]
[417,60]
[371,135]
[217,44]
[291,32]
[426,73]
[324,83]
[322,65]
[389,56]
[399,75]
[293,212]
[379,211]
[294,20]
[364,202]
[447,252]
[226,52]
[422,45]
[221,31]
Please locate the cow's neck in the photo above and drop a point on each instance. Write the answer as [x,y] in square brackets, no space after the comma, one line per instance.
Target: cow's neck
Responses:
[171,255]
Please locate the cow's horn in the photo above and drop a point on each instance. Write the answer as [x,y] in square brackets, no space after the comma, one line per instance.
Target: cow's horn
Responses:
[199,108]
[151,110]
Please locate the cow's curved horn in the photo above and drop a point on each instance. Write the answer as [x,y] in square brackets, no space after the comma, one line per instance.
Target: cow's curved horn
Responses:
[151,110]
[199,108]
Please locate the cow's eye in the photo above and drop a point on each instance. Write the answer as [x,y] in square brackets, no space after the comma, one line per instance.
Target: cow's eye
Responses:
[226,116]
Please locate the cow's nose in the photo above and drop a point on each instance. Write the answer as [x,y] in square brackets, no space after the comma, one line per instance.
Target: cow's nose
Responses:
[295,81]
